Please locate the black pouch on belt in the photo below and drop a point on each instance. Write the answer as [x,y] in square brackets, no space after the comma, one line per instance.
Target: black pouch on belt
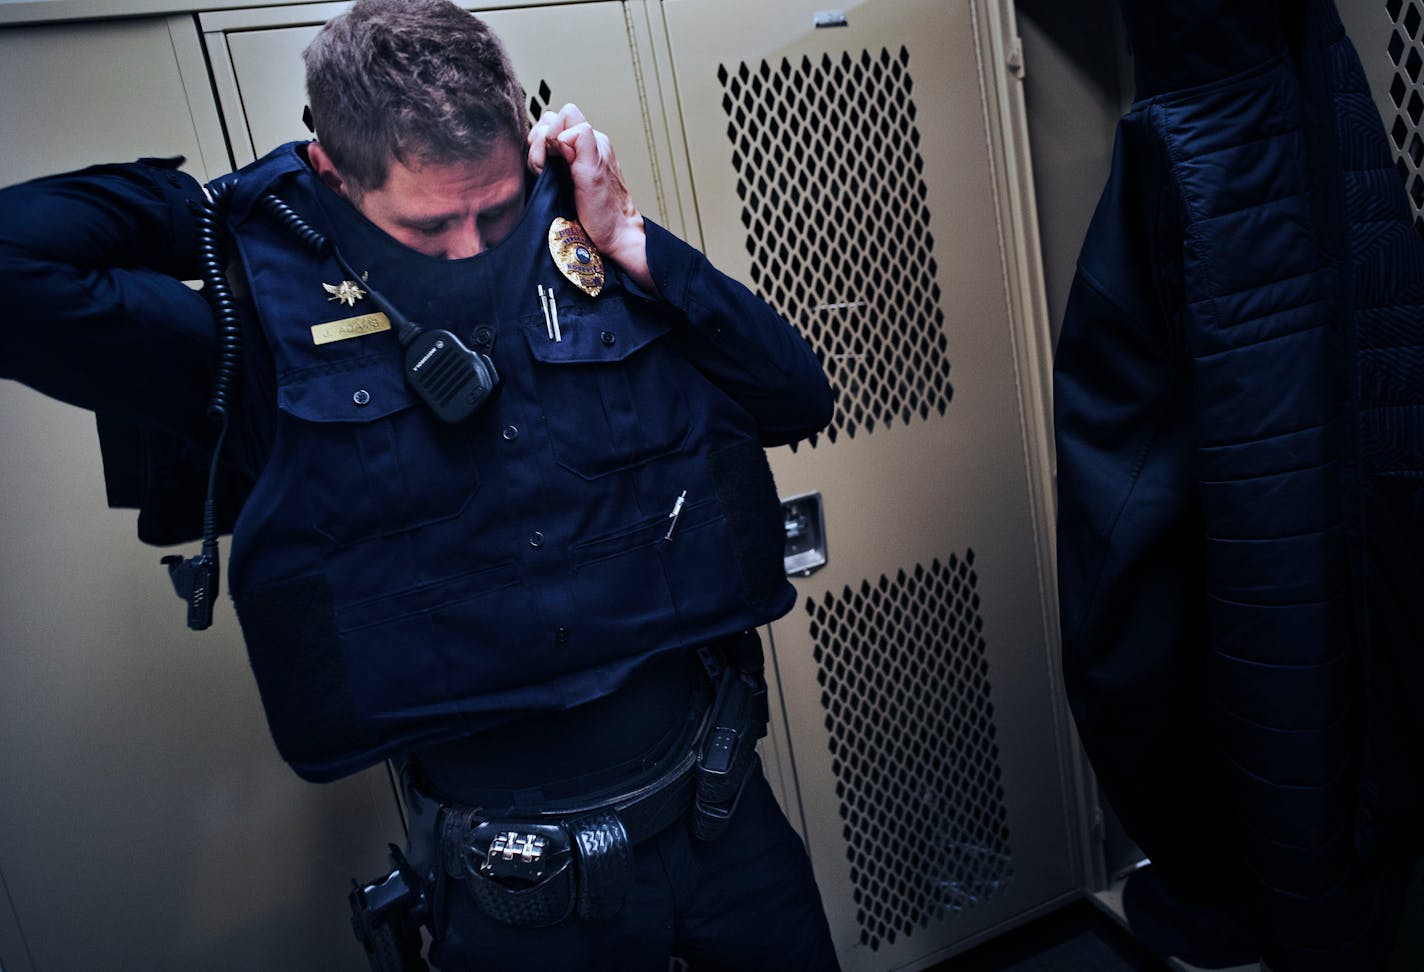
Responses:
[728,748]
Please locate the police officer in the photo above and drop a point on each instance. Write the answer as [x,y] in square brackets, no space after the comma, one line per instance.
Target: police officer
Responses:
[505,514]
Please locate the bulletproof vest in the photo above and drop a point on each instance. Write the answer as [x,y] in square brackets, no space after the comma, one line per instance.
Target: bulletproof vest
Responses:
[401,580]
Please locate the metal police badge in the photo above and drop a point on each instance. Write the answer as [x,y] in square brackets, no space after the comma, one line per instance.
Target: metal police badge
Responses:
[575,256]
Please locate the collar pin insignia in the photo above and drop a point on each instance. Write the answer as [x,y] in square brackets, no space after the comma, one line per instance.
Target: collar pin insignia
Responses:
[347,292]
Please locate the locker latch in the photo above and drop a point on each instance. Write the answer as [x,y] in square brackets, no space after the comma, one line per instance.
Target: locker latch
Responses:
[805,524]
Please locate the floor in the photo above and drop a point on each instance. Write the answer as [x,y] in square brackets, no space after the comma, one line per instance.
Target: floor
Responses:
[1081,938]
[1077,938]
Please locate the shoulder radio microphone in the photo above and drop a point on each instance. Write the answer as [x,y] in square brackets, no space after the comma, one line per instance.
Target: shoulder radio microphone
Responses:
[454,381]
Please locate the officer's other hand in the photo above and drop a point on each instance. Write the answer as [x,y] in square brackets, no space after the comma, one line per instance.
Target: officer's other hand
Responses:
[605,207]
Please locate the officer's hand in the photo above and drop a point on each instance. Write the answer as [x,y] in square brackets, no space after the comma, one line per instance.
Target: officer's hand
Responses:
[605,207]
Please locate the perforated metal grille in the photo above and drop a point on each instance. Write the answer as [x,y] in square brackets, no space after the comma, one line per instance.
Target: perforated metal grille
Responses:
[833,200]
[906,692]
[1406,51]
[541,101]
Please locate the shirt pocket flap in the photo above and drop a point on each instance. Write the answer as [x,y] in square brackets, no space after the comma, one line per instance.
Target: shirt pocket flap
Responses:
[360,390]
[600,334]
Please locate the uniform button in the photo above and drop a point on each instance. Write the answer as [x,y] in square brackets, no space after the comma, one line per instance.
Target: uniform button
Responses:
[536,539]
[510,433]
[483,336]
[607,337]
[361,397]
[561,635]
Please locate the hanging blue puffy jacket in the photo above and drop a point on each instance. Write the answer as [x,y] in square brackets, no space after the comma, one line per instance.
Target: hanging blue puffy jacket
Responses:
[1240,432]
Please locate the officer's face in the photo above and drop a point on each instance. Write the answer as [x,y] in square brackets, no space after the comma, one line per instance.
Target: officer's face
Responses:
[450,211]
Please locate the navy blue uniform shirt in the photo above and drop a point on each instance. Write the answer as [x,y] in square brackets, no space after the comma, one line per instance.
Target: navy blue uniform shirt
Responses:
[401,582]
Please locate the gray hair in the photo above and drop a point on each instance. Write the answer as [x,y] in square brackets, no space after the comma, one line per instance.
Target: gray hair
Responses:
[417,81]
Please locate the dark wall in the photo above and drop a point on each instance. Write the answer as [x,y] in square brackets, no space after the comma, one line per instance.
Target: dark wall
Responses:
[1075,90]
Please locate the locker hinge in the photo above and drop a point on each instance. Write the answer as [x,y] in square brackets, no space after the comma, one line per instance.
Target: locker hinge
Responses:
[1014,58]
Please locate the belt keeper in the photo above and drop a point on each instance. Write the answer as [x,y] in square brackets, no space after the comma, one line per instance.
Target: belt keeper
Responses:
[603,864]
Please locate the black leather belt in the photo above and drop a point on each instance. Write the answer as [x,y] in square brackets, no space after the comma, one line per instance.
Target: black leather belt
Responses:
[538,868]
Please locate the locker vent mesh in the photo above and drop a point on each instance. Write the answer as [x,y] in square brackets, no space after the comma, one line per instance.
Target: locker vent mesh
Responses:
[906,691]
[541,101]
[1407,95]
[833,200]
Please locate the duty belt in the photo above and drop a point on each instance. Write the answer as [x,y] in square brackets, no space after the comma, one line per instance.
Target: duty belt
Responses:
[534,868]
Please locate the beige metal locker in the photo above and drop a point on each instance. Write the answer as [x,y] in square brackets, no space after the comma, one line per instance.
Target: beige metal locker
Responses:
[1389,37]
[146,821]
[860,169]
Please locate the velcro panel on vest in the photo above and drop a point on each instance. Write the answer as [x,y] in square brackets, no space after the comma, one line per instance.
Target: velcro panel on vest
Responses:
[744,484]
[292,645]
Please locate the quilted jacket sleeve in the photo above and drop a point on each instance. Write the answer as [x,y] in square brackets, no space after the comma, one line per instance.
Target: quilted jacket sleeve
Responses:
[1130,529]
[91,265]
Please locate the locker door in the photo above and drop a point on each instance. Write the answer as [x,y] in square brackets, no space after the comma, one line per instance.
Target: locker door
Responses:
[146,821]
[855,168]
[1389,37]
